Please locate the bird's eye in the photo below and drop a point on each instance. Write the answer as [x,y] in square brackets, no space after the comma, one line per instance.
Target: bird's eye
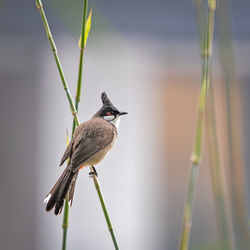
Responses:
[108,113]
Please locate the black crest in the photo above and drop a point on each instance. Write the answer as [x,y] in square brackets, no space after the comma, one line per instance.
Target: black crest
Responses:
[106,102]
[107,106]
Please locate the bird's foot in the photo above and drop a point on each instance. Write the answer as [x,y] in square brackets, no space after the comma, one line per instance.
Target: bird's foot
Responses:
[92,173]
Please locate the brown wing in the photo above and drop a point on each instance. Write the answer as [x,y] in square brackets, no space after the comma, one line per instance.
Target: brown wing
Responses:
[68,151]
[97,136]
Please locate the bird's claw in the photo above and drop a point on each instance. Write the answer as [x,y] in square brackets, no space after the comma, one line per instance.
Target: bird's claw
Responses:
[92,173]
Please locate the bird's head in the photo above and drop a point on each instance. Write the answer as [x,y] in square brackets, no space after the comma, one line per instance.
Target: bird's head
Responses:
[109,112]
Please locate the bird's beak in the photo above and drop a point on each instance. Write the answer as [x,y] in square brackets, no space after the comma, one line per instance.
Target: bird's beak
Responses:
[122,113]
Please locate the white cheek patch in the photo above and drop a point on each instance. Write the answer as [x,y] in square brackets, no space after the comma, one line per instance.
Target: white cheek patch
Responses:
[116,121]
[109,117]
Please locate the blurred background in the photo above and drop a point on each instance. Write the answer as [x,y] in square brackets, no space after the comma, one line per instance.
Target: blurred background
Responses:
[146,56]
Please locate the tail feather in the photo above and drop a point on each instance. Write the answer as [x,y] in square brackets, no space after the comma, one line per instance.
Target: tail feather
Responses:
[52,195]
[72,188]
[56,196]
[63,192]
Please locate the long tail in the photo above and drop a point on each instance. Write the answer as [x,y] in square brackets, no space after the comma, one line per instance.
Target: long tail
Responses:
[57,194]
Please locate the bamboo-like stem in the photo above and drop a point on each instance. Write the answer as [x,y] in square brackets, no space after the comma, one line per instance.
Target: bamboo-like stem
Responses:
[65,224]
[206,53]
[110,227]
[74,113]
[200,17]
[235,163]
[58,63]
[217,176]
[79,81]
[218,181]
[77,100]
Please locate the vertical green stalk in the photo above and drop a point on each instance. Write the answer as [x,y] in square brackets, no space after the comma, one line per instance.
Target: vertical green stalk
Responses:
[74,113]
[235,163]
[218,182]
[217,175]
[206,53]
[82,46]
[77,100]
[65,224]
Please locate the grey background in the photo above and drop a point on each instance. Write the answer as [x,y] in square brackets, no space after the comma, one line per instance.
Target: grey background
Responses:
[133,45]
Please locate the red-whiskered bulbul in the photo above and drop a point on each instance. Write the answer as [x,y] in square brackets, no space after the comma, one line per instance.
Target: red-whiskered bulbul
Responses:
[90,143]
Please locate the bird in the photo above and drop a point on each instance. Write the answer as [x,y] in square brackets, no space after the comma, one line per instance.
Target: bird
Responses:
[90,143]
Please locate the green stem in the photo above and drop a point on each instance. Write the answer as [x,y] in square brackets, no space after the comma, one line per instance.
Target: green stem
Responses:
[58,63]
[188,208]
[74,113]
[236,171]
[65,222]
[218,181]
[196,155]
[105,211]
[79,81]
[77,100]
[217,176]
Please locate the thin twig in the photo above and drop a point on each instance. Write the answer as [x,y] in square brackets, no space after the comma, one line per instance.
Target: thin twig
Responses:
[110,227]
[79,81]
[77,100]
[58,63]
[206,53]
[65,223]
[236,171]
[218,182]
